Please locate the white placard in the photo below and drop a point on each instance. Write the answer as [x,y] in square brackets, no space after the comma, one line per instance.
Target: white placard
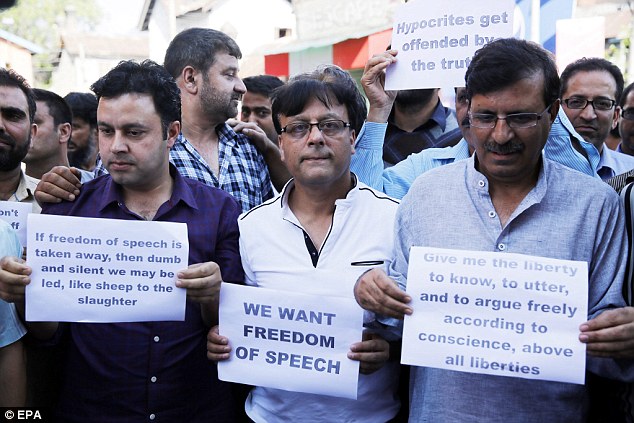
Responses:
[15,214]
[436,40]
[495,313]
[291,341]
[105,270]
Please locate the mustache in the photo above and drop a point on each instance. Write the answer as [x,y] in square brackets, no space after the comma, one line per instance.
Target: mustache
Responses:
[8,139]
[508,148]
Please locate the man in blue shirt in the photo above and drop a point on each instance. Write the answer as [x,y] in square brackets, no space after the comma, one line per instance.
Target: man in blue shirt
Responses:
[590,92]
[126,372]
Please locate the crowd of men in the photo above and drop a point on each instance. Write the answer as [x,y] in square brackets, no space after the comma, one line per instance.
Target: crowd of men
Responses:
[520,166]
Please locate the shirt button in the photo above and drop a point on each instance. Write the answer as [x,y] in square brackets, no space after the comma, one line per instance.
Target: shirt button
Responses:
[501,247]
[481,183]
[156,339]
[152,416]
[492,214]
[153,379]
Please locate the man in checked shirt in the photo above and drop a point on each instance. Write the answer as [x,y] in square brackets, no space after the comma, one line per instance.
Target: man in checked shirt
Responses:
[204,63]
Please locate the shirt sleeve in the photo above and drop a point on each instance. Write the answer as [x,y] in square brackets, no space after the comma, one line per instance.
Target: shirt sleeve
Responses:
[606,277]
[367,160]
[227,247]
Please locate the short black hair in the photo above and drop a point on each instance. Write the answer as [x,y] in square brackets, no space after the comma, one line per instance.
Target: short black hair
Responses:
[506,61]
[625,93]
[146,77]
[57,106]
[197,47]
[291,99]
[83,106]
[10,78]
[262,84]
[357,110]
[593,64]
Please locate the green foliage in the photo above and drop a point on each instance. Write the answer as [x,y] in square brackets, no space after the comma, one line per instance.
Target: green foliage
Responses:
[40,21]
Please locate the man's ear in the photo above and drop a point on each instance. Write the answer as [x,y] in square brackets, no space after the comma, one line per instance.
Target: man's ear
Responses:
[280,145]
[173,130]
[353,139]
[64,130]
[617,114]
[554,109]
[189,79]
[33,131]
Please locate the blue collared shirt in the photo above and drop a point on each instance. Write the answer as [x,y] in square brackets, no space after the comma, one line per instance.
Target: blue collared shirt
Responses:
[243,172]
[134,372]
[613,163]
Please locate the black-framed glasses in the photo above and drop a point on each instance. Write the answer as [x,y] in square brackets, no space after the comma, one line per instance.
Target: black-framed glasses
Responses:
[628,114]
[330,128]
[599,103]
[514,120]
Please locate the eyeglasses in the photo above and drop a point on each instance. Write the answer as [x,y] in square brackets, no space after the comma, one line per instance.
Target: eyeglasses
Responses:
[514,120]
[628,114]
[599,103]
[330,128]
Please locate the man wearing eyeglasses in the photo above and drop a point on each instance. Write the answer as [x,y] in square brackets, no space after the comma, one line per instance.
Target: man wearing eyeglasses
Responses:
[325,226]
[508,197]
[590,91]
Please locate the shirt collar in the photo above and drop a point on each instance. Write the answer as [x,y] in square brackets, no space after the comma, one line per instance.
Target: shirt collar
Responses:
[477,180]
[288,214]
[26,187]
[181,191]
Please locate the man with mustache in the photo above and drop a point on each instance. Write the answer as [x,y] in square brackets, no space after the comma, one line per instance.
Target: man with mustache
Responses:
[508,197]
[396,180]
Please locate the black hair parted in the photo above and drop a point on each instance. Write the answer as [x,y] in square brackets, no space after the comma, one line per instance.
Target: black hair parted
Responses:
[593,64]
[262,84]
[146,77]
[84,106]
[291,99]
[506,61]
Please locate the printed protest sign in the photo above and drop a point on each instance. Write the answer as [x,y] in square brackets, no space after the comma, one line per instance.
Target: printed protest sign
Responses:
[15,214]
[436,40]
[291,341]
[499,314]
[105,270]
